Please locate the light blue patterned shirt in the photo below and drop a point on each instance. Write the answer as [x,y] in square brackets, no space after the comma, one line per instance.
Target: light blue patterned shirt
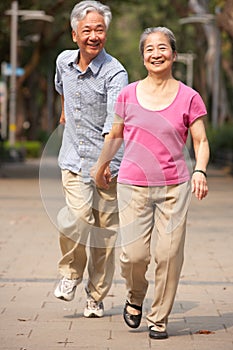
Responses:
[89,99]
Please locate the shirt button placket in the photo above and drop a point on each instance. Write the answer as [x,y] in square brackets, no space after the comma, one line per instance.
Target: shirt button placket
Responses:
[78,107]
[78,115]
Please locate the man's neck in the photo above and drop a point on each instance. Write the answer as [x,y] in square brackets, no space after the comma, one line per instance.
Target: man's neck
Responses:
[84,61]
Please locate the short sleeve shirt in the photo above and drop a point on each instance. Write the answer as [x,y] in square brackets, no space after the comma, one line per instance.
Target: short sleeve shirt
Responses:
[155,152]
[89,99]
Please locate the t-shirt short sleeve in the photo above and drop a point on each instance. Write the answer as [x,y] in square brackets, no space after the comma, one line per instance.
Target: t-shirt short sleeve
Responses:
[197,108]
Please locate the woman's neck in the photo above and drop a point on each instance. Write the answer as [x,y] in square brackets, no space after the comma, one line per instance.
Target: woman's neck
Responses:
[158,82]
[157,94]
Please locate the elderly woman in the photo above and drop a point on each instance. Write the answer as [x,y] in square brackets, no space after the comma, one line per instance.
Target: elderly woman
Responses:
[153,117]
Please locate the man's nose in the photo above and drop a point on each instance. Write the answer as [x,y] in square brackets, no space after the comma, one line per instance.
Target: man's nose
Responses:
[93,34]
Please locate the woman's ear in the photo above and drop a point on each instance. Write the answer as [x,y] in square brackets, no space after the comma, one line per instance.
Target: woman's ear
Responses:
[174,56]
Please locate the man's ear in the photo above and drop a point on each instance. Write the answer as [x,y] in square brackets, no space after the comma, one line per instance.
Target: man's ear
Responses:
[74,36]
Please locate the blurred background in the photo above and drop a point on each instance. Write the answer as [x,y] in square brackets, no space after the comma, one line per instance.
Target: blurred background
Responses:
[34,32]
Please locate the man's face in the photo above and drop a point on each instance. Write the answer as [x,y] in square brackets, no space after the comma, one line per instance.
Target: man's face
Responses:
[90,35]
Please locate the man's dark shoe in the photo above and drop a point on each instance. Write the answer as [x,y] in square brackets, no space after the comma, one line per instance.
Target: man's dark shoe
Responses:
[132,321]
[153,334]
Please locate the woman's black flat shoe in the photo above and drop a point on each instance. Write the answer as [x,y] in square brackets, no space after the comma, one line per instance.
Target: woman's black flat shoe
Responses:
[132,321]
[153,334]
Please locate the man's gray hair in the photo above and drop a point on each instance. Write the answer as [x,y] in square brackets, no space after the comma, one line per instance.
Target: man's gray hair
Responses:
[169,34]
[81,9]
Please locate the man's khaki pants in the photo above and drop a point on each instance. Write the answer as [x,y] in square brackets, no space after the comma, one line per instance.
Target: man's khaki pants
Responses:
[90,218]
[141,209]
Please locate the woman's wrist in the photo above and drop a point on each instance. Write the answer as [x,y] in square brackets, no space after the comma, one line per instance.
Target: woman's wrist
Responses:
[200,171]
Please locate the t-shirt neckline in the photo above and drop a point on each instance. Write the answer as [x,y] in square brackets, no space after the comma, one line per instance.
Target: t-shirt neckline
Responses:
[155,110]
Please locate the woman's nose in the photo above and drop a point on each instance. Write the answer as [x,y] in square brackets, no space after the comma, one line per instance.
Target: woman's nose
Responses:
[155,52]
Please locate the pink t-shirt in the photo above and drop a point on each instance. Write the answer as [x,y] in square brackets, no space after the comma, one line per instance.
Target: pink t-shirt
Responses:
[155,140]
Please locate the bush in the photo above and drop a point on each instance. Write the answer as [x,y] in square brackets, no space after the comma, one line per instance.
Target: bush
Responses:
[221,142]
[25,149]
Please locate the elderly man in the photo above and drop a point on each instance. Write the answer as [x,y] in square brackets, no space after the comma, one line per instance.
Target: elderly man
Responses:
[89,81]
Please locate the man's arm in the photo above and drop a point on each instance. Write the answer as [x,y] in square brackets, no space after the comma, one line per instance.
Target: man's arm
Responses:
[62,117]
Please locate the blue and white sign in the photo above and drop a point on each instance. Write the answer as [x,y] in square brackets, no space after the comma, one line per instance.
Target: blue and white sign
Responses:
[7,70]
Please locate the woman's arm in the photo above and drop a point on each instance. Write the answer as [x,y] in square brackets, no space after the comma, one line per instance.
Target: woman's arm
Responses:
[112,143]
[201,150]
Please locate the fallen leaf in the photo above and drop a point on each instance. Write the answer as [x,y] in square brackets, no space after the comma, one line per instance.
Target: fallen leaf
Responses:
[23,319]
[204,331]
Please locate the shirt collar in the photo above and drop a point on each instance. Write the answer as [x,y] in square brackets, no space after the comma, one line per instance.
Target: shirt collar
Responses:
[95,64]
[74,57]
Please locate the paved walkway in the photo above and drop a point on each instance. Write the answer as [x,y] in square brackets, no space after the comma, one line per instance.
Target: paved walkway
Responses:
[30,316]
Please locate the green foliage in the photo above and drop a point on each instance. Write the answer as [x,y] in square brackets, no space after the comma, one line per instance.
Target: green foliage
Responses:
[42,136]
[27,149]
[221,141]
[127,26]
[130,18]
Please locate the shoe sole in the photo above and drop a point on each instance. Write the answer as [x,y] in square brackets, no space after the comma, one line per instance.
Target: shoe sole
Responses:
[62,297]
[158,336]
[88,314]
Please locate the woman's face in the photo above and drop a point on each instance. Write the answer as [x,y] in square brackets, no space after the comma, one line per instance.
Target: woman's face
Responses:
[158,54]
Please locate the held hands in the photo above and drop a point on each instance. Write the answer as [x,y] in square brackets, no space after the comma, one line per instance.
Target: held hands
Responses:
[101,176]
[199,185]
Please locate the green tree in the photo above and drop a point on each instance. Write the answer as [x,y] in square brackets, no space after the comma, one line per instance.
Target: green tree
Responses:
[41,42]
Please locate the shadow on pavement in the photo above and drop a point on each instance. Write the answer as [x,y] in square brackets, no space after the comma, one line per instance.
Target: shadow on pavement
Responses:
[28,169]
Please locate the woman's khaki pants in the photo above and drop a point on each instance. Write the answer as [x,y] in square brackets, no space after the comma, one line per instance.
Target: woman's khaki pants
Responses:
[141,209]
[90,218]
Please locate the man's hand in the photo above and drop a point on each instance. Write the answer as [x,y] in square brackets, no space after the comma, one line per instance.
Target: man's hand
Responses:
[62,119]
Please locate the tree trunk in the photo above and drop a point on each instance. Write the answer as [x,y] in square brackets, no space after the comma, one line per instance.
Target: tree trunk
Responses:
[215,84]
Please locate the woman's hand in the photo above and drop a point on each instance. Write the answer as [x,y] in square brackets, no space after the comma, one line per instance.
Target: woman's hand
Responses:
[199,185]
[100,172]
[102,177]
